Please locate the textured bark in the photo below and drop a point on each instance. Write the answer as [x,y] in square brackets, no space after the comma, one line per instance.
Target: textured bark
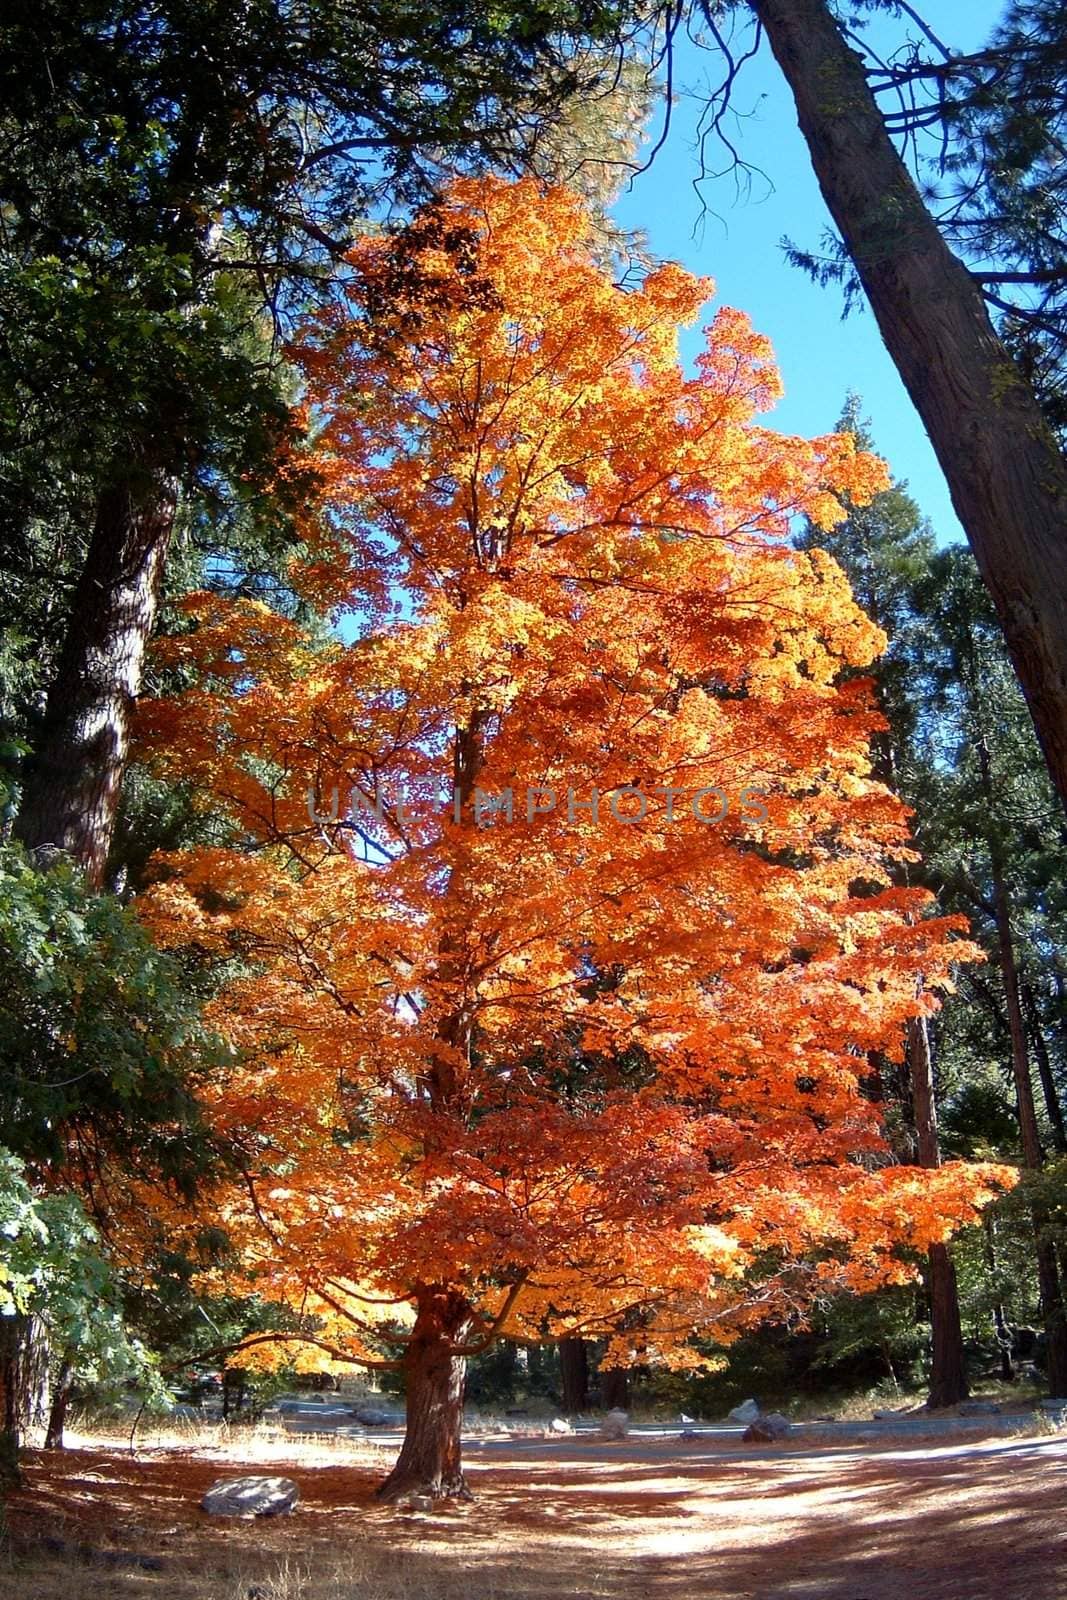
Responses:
[73,780]
[430,1460]
[1007,478]
[948,1372]
[25,1390]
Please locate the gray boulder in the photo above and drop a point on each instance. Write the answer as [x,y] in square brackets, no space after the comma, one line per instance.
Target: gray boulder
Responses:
[376,1417]
[250,1497]
[768,1429]
[747,1411]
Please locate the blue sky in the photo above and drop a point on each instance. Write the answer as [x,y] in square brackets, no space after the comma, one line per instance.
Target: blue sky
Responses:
[738,243]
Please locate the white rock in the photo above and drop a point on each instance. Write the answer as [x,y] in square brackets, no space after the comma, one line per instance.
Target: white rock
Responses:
[745,1413]
[250,1497]
[561,1425]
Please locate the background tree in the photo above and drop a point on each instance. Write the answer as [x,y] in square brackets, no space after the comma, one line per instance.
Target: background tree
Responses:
[885,547]
[1001,459]
[571,569]
[169,175]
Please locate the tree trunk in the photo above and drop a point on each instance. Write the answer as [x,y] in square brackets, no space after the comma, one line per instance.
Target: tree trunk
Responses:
[24,1381]
[73,779]
[1007,478]
[1044,1073]
[948,1373]
[614,1388]
[429,1462]
[57,1417]
[574,1375]
[1000,1321]
[1048,1276]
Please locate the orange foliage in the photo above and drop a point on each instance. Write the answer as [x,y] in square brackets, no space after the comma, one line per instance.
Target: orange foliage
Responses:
[612,1071]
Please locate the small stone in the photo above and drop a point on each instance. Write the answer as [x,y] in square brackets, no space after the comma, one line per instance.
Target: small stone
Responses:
[747,1411]
[561,1425]
[250,1497]
[421,1502]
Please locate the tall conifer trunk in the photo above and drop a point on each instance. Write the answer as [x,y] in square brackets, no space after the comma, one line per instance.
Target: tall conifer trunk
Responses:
[1048,1272]
[948,1373]
[574,1375]
[1007,477]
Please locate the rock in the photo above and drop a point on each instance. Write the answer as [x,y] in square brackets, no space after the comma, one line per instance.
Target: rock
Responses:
[980,1408]
[768,1429]
[421,1502]
[250,1497]
[561,1425]
[747,1411]
[375,1417]
[616,1425]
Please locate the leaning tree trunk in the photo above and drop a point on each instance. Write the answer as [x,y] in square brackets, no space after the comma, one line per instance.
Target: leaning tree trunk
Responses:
[429,1462]
[948,1373]
[73,779]
[1006,475]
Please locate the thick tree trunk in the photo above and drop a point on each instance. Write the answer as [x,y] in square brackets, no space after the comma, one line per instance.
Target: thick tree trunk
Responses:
[430,1462]
[73,779]
[24,1382]
[948,1373]
[1006,475]
[574,1375]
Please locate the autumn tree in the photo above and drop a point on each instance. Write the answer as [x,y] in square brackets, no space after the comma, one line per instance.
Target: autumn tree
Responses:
[563,929]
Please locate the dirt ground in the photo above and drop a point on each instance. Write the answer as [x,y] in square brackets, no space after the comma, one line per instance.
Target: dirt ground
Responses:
[966,1520]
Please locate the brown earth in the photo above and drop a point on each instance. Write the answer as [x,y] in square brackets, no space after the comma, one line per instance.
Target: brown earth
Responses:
[673,1521]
